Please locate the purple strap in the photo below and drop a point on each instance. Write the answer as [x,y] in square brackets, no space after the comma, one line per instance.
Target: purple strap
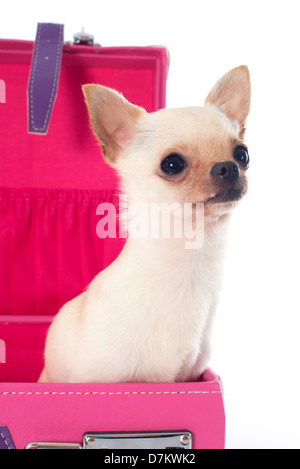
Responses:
[44,76]
[6,441]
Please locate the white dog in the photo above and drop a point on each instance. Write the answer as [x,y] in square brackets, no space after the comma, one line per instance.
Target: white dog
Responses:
[148,316]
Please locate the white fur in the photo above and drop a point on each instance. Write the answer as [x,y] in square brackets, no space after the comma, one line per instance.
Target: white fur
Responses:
[141,320]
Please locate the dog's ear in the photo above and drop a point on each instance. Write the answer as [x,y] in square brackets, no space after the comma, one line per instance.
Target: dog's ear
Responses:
[113,119]
[232,95]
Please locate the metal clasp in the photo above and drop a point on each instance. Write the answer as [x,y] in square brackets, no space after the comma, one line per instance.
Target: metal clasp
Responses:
[122,440]
[84,39]
[151,440]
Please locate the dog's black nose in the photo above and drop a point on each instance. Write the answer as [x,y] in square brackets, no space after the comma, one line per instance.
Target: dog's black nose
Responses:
[227,171]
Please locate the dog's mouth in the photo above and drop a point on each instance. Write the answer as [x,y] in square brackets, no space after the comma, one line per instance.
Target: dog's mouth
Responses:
[232,194]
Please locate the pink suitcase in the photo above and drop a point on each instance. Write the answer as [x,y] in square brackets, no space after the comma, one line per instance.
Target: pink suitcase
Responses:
[52,179]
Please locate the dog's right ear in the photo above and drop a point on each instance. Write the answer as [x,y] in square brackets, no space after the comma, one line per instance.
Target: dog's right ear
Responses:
[113,119]
[232,94]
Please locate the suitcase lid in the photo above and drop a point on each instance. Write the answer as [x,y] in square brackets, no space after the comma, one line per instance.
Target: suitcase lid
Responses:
[51,185]
[68,156]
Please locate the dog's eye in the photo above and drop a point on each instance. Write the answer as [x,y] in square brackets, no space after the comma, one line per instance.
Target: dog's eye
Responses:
[173,164]
[241,155]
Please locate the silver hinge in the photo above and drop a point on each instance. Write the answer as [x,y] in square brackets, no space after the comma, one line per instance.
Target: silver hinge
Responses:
[144,440]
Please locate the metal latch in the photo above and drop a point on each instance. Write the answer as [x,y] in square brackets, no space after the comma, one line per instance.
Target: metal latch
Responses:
[84,39]
[144,440]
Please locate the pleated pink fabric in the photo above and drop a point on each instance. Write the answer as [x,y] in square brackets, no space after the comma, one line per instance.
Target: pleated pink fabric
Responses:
[49,248]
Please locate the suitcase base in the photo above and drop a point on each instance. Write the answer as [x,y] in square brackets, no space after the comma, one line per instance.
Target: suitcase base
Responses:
[64,413]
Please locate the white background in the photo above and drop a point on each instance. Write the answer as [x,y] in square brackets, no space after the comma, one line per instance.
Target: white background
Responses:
[256,337]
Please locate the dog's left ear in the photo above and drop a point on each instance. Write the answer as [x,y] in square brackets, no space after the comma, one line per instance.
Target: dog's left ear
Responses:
[232,95]
[113,119]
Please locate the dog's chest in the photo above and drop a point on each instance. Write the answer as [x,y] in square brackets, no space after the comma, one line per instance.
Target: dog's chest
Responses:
[157,324]
[177,311]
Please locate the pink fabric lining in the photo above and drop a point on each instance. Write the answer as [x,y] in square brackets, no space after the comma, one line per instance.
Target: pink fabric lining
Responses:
[49,248]
[68,156]
[24,342]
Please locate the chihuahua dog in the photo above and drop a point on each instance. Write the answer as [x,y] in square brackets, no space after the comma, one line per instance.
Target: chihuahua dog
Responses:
[148,316]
